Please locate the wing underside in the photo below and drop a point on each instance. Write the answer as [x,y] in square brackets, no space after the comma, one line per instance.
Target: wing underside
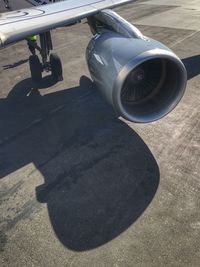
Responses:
[17,25]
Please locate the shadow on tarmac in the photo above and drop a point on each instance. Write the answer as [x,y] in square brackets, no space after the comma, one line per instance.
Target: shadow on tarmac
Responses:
[192,65]
[99,175]
[16,64]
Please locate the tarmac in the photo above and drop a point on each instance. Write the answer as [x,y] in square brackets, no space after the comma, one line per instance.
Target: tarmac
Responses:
[81,187]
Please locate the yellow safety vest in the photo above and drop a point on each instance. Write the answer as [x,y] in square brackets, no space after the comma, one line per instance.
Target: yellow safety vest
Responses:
[32,38]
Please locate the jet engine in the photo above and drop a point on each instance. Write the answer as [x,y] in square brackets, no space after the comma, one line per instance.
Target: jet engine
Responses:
[140,77]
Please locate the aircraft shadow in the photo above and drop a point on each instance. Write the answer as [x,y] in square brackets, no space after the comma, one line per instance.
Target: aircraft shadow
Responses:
[99,175]
[16,64]
[192,65]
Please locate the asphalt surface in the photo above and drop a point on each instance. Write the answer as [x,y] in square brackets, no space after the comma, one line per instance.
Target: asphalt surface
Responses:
[81,187]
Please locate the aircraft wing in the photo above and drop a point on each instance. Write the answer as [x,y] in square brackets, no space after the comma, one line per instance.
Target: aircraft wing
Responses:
[17,25]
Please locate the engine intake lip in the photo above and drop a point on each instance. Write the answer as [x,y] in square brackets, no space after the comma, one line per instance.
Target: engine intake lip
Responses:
[159,111]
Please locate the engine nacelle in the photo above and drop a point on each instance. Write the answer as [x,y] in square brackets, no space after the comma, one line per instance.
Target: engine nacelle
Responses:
[141,78]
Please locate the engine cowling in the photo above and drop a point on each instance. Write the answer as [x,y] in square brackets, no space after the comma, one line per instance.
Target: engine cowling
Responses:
[141,78]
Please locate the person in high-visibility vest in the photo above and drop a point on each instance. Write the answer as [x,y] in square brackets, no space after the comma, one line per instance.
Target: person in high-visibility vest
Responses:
[32,44]
[6,2]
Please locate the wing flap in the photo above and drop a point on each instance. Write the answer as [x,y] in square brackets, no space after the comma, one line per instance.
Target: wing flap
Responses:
[17,25]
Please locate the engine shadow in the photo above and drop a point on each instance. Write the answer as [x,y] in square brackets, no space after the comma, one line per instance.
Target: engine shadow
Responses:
[192,65]
[99,175]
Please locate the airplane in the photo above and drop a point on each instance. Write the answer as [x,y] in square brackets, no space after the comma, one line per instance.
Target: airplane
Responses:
[140,77]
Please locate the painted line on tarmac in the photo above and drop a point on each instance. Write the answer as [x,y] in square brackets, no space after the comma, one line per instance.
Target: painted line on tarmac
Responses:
[185,38]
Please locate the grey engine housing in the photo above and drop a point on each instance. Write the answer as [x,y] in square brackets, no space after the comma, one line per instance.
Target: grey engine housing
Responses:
[141,78]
